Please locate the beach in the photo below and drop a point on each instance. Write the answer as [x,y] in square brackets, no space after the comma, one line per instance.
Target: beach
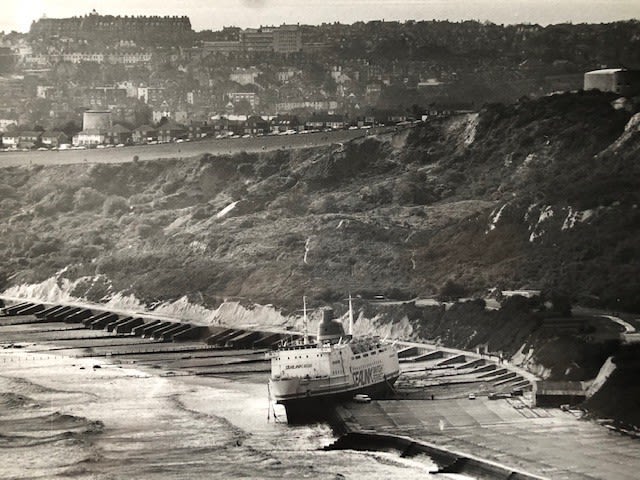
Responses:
[66,415]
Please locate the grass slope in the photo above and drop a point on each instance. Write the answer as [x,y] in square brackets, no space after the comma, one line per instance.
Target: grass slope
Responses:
[396,214]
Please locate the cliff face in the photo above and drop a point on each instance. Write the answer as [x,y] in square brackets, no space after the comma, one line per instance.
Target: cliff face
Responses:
[541,194]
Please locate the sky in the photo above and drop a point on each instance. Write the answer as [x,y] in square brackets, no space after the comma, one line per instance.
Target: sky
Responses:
[214,14]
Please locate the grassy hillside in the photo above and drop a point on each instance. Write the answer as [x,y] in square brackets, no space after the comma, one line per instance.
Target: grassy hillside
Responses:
[537,194]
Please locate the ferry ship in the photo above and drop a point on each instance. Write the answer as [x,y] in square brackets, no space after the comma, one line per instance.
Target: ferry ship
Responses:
[309,377]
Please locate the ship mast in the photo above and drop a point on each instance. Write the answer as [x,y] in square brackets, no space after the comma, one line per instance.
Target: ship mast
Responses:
[350,316]
[305,321]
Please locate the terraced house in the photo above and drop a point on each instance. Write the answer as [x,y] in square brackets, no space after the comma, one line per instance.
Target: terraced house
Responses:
[22,139]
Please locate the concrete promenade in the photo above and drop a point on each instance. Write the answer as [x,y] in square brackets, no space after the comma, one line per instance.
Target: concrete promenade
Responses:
[443,401]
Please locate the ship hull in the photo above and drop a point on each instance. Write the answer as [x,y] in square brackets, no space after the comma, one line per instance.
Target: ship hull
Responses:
[309,407]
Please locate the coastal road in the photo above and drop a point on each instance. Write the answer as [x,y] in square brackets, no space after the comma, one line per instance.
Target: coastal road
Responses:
[186,149]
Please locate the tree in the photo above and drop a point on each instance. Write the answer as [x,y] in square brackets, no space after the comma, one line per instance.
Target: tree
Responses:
[142,113]
[242,107]
[70,128]
[451,291]
[329,85]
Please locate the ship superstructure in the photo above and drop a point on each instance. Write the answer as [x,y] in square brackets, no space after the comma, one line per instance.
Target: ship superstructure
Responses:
[307,377]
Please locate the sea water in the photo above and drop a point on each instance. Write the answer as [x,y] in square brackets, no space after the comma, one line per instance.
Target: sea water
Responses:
[63,418]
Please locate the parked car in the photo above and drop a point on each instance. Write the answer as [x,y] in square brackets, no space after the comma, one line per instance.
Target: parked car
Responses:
[361,398]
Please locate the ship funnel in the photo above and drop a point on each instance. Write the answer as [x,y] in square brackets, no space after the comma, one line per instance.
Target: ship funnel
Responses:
[329,329]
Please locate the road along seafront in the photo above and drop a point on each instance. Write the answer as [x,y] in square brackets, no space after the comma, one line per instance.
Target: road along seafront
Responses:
[210,146]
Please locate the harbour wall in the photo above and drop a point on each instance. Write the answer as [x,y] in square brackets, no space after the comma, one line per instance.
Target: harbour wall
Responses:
[448,461]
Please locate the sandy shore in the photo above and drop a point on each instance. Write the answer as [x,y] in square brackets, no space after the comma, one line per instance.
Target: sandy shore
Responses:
[91,418]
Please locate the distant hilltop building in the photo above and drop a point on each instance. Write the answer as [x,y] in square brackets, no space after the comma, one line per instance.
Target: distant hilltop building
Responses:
[617,80]
[142,30]
[284,39]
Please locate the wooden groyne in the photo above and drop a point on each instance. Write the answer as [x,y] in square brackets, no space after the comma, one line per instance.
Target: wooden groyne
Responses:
[98,318]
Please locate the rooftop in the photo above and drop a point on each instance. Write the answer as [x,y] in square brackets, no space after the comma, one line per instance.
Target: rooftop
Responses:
[607,70]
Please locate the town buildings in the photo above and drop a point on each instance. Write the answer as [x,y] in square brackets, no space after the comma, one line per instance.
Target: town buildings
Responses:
[244,76]
[250,97]
[285,39]
[53,139]
[147,70]
[22,139]
[167,30]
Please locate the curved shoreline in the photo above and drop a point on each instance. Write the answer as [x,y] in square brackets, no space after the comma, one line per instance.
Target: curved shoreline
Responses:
[135,407]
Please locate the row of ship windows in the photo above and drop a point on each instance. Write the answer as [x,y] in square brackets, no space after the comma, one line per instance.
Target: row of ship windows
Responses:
[298,357]
[366,354]
[356,356]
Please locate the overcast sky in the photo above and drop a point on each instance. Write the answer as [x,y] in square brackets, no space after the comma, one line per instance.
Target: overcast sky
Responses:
[213,14]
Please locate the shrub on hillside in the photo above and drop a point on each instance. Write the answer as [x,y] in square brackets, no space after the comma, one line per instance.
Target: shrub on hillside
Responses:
[413,189]
[451,291]
[325,204]
[87,198]
[140,198]
[38,192]
[376,194]
[396,293]
[8,206]
[203,212]
[519,303]
[292,204]
[44,247]
[171,186]
[291,240]
[144,230]
[54,202]
[246,169]
[84,252]
[115,205]
[559,301]
[271,163]
[328,295]
[7,191]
